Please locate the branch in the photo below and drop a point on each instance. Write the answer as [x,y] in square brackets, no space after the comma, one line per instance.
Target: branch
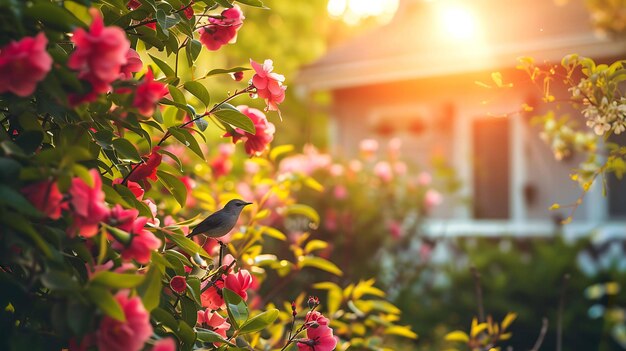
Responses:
[542,334]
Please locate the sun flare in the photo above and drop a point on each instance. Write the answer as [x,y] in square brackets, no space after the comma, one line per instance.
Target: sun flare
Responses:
[457,22]
[353,11]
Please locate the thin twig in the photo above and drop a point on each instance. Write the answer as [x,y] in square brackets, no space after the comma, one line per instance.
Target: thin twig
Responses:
[559,317]
[542,334]
[479,294]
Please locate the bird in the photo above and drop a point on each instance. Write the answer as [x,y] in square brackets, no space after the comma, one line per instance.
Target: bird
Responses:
[221,222]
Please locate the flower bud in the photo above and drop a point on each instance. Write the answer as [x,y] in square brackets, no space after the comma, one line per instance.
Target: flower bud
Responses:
[178,284]
[313,302]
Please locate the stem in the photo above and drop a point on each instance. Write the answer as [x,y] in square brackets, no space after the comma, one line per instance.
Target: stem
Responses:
[479,293]
[559,319]
[142,23]
[302,327]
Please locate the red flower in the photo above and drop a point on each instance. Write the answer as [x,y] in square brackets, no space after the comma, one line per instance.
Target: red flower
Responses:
[99,56]
[23,64]
[222,31]
[269,85]
[256,143]
[213,321]
[149,168]
[239,282]
[142,243]
[178,284]
[167,344]
[133,4]
[87,205]
[46,197]
[122,218]
[319,334]
[148,94]
[188,11]
[135,188]
[133,64]
[212,297]
[113,335]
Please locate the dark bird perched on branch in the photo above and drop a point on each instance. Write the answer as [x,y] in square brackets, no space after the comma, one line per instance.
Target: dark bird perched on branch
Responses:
[221,222]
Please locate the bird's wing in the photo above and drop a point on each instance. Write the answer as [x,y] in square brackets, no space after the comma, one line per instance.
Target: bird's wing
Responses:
[212,222]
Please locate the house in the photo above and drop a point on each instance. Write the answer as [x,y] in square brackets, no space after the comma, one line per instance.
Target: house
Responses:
[415,79]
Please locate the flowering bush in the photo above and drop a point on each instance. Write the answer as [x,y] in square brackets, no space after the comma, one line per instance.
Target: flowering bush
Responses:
[101,181]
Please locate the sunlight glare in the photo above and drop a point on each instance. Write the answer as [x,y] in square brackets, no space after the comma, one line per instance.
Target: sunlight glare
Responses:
[458,22]
[353,11]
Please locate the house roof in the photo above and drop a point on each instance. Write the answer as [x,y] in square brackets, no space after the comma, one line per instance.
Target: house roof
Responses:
[415,45]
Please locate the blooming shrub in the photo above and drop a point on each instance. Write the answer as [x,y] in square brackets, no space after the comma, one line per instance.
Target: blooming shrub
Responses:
[98,191]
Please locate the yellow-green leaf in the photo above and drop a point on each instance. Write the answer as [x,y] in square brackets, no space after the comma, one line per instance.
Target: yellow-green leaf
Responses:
[457,335]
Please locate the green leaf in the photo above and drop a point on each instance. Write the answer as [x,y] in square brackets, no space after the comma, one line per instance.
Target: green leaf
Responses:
[254,3]
[29,141]
[126,150]
[185,137]
[150,289]
[315,245]
[306,211]
[15,200]
[164,67]
[404,331]
[280,150]
[457,335]
[192,51]
[236,119]
[224,71]
[163,317]
[189,310]
[273,233]
[187,245]
[173,157]
[193,284]
[259,322]
[106,302]
[18,223]
[201,123]
[206,335]
[53,16]
[198,90]
[175,186]
[177,95]
[237,309]
[59,281]
[186,334]
[117,280]
[165,21]
[9,169]
[320,263]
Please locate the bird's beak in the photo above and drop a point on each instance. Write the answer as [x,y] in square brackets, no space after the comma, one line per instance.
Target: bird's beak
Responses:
[248,203]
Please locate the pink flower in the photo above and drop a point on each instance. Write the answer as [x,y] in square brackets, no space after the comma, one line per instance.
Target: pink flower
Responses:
[393,147]
[178,284]
[99,56]
[319,334]
[122,218]
[149,168]
[189,185]
[395,229]
[211,298]
[23,64]
[383,171]
[432,198]
[368,148]
[166,344]
[46,197]
[133,64]
[142,243]
[213,321]
[239,282]
[148,94]
[256,143]
[188,11]
[222,31]
[135,188]
[269,85]
[113,335]
[424,178]
[340,192]
[87,205]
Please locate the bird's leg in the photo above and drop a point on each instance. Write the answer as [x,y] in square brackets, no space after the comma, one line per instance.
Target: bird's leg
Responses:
[221,252]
